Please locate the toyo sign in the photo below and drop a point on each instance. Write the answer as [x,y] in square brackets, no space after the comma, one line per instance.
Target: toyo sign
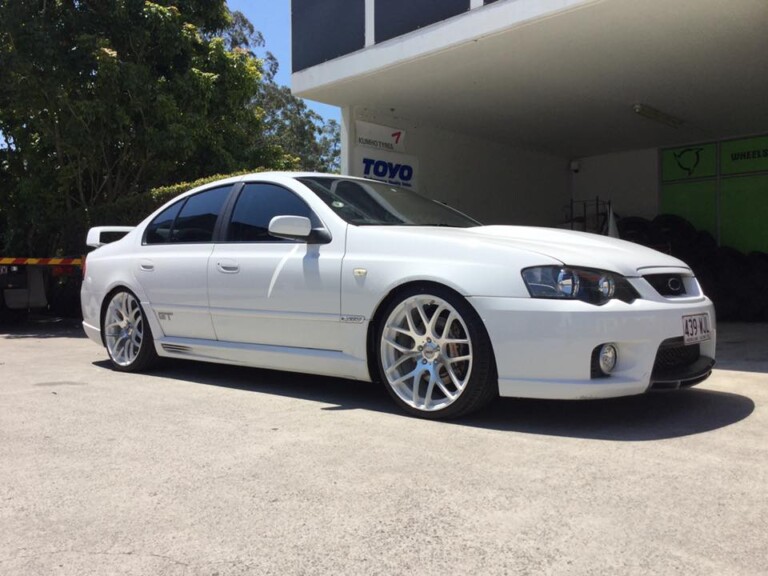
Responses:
[395,169]
[373,168]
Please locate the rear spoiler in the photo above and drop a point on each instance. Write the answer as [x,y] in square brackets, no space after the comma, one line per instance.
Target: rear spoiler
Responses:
[101,235]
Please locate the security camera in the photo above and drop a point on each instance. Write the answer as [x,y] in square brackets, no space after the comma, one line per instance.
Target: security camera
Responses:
[575,166]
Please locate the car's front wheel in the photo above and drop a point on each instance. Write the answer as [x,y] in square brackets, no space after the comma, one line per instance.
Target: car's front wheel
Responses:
[434,355]
[127,335]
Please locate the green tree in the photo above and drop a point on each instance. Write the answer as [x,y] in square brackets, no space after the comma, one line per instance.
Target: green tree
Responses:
[104,99]
[288,122]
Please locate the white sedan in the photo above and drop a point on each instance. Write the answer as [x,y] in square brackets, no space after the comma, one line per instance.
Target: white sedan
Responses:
[358,279]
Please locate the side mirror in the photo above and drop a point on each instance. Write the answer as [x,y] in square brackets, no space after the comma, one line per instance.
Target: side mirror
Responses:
[297,228]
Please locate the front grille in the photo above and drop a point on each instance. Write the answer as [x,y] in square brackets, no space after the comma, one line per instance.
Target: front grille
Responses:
[667,284]
[673,353]
[679,366]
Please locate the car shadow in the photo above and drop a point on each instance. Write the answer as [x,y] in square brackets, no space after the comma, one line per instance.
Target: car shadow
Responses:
[655,416]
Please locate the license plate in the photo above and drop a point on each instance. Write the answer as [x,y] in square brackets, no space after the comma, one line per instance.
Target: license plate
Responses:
[696,328]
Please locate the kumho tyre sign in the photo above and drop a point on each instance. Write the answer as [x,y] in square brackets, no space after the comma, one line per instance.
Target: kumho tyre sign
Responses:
[378,154]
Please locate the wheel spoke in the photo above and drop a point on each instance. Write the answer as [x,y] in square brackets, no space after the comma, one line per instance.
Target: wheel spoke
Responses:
[409,321]
[454,378]
[124,306]
[430,388]
[458,359]
[434,319]
[424,319]
[400,361]
[399,330]
[120,347]
[398,347]
[444,390]
[455,341]
[412,374]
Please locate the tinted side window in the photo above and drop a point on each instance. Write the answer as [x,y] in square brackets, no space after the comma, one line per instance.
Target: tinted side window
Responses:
[197,218]
[255,208]
[159,230]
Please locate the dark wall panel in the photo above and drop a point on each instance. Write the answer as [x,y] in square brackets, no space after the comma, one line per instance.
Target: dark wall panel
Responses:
[397,17]
[325,29]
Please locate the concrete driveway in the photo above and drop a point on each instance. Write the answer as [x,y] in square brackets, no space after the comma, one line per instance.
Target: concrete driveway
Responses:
[200,469]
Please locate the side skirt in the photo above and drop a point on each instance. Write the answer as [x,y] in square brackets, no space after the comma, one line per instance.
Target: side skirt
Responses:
[304,360]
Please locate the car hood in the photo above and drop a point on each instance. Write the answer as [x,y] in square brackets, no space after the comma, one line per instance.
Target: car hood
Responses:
[571,247]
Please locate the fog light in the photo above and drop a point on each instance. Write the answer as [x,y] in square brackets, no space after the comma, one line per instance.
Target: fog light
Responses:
[607,358]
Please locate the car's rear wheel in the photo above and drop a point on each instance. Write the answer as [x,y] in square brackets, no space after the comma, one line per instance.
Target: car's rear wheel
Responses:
[127,335]
[434,355]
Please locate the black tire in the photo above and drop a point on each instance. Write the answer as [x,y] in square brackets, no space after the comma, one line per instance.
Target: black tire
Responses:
[436,354]
[130,346]
[11,317]
[634,229]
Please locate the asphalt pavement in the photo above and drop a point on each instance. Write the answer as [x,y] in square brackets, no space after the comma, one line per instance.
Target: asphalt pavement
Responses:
[202,469]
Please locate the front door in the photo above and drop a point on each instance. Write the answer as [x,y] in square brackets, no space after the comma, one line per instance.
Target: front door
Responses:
[264,290]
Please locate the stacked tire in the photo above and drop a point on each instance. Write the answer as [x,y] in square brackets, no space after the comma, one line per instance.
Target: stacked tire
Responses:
[736,282]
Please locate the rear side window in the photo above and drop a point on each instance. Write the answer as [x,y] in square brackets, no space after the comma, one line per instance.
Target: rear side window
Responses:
[255,208]
[159,230]
[191,220]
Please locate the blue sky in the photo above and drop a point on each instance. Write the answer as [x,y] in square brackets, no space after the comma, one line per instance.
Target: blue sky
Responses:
[273,19]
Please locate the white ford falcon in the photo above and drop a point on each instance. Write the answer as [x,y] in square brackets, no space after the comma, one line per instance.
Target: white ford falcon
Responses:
[358,279]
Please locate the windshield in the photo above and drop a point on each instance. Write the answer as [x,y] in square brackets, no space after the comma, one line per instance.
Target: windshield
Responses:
[364,202]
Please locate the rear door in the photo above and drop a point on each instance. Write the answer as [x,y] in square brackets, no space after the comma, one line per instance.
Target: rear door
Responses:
[173,260]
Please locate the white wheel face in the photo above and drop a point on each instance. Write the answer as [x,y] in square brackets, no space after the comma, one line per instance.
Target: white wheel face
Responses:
[124,328]
[426,352]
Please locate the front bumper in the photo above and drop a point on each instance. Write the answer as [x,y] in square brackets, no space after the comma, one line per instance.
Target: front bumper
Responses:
[543,348]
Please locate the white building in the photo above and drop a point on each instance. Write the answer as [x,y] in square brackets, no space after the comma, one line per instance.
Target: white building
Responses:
[509,109]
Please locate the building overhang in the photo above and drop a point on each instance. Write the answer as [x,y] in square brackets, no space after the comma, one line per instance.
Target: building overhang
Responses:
[566,76]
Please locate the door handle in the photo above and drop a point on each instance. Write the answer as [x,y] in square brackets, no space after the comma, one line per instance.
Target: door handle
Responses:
[146,265]
[228,267]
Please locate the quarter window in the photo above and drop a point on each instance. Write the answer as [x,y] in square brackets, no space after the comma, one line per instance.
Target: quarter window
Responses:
[255,208]
[159,230]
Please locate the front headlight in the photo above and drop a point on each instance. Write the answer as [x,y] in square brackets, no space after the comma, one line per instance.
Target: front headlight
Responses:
[564,282]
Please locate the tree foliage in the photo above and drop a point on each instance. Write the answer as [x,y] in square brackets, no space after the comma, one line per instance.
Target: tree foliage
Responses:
[100,100]
[301,132]
[288,122]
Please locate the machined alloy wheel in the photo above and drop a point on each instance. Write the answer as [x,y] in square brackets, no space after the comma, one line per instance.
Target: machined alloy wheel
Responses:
[434,354]
[126,333]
